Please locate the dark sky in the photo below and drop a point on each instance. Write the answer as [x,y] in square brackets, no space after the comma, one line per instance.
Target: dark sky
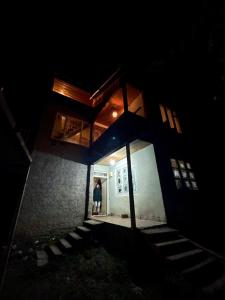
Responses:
[86,47]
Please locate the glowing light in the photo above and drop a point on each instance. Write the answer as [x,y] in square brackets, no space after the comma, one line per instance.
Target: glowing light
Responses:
[114,114]
[112,162]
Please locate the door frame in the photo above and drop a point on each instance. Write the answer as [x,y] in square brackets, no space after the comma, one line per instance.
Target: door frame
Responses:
[107,186]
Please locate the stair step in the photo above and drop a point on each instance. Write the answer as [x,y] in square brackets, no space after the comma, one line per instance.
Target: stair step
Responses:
[65,244]
[42,258]
[93,222]
[75,236]
[83,229]
[55,250]
[182,255]
[198,266]
[160,230]
[172,242]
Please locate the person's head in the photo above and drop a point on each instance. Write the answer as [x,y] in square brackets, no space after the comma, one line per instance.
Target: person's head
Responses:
[99,184]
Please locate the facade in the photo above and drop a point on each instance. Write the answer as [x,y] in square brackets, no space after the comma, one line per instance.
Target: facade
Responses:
[123,135]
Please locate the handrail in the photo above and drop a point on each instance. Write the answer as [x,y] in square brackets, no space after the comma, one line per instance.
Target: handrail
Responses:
[105,83]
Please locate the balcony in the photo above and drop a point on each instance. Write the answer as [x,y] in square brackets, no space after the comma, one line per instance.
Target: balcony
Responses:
[115,101]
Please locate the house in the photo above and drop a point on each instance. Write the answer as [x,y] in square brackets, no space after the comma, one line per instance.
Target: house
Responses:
[124,135]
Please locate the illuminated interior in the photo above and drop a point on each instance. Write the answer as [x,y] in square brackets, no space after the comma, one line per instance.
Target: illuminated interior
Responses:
[149,207]
[70,129]
[135,101]
[114,108]
[171,117]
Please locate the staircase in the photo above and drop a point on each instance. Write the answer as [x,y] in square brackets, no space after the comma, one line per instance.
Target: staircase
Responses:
[200,266]
[73,241]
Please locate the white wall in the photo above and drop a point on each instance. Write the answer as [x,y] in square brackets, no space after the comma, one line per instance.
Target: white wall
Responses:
[148,197]
[118,204]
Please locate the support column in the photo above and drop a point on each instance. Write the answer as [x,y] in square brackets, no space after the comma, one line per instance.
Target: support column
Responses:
[131,193]
[125,102]
[87,191]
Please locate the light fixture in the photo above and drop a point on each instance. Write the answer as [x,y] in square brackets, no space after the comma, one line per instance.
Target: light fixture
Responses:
[112,162]
[114,114]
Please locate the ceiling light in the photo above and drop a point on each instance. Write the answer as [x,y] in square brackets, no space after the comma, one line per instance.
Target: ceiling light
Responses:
[114,114]
[112,162]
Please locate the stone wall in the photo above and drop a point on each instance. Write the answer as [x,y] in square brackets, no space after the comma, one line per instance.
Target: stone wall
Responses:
[54,197]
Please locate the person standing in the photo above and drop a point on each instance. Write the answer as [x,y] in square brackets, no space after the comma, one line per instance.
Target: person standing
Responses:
[97,197]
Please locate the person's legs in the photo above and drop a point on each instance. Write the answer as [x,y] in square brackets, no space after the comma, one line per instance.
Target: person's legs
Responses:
[95,206]
[98,206]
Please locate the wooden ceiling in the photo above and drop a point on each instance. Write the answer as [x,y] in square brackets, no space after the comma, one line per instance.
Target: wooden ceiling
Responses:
[121,153]
[71,91]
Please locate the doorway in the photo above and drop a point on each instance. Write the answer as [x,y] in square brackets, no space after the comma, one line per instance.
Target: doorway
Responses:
[103,207]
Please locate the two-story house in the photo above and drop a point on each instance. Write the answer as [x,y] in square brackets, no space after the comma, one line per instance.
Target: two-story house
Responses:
[124,135]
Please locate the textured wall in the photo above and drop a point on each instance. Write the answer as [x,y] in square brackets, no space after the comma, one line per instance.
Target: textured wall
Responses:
[54,198]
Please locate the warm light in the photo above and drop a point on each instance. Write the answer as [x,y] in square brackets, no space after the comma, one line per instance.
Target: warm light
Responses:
[114,114]
[112,162]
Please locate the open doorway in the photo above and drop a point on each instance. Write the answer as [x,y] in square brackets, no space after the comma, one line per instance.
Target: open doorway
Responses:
[101,207]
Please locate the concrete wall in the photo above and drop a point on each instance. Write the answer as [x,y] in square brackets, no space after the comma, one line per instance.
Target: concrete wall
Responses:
[54,198]
[148,197]
[118,204]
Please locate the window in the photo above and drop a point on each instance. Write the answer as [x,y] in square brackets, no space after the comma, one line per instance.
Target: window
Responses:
[170,116]
[183,174]
[71,130]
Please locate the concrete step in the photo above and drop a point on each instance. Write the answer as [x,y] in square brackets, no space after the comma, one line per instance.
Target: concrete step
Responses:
[64,245]
[159,230]
[176,246]
[42,258]
[54,250]
[92,223]
[84,232]
[186,259]
[83,229]
[160,234]
[216,286]
[199,266]
[74,239]
[171,243]
[183,255]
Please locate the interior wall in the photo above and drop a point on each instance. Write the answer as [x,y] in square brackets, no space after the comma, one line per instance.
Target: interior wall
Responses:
[148,197]
[118,204]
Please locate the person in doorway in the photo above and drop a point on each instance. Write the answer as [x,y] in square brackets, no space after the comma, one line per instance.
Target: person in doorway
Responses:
[97,197]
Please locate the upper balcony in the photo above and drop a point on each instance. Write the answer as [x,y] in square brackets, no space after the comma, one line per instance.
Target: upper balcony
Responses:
[108,104]
[114,100]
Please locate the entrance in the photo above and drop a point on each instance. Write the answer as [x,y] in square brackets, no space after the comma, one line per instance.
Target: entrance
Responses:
[112,170]
[103,206]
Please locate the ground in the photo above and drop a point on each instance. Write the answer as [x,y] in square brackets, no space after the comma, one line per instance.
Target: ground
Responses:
[91,274]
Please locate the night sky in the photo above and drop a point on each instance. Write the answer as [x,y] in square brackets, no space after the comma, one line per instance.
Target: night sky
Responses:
[181,45]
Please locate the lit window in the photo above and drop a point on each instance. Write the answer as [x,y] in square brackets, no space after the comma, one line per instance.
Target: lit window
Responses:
[183,174]
[170,116]
[70,129]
